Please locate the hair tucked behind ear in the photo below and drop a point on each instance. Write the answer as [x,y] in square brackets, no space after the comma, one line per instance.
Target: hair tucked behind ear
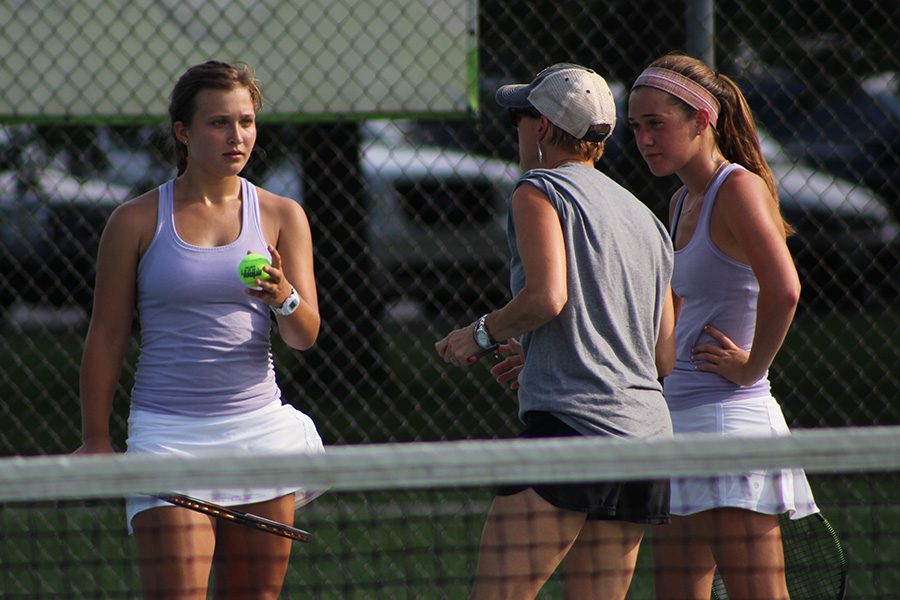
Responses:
[735,130]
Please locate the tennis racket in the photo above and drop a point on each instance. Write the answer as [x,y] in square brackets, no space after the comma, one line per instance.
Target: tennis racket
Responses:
[814,563]
[236,516]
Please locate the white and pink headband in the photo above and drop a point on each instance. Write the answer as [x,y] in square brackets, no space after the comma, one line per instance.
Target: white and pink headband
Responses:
[684,88]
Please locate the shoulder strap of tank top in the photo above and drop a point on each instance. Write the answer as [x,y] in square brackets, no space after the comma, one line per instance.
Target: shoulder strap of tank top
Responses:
[713,192]
[251,211]
[165,204]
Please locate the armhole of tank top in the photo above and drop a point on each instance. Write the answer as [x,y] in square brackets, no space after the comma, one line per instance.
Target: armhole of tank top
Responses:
[246,211]
[252,214]
[712,196]
[163,217]
[706,215]
[676,214]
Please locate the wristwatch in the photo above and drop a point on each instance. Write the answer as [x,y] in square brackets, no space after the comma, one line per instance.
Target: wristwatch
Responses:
[482,337]
[289,305]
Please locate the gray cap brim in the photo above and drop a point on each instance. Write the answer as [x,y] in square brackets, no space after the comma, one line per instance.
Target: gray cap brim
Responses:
[514,95]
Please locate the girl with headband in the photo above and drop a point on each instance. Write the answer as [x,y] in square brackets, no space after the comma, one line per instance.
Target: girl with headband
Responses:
[736,293]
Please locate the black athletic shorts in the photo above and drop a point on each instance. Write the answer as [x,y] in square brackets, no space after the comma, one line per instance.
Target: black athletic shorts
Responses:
[634,501]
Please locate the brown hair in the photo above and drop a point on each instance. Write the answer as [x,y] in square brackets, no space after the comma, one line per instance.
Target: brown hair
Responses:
[568,142]
[735,131]
[211,75]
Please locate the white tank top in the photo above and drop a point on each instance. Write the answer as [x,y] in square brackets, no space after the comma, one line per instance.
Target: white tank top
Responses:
[716,290]
[205,344]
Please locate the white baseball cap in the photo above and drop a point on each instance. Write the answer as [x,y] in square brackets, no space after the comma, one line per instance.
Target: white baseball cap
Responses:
[572,97]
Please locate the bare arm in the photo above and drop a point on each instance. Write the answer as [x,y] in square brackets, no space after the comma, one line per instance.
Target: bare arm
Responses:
[110,327]
[292,266]
[665,343]
[543,253]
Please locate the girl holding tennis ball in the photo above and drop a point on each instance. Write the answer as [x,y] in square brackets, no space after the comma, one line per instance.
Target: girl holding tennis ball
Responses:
[205,379]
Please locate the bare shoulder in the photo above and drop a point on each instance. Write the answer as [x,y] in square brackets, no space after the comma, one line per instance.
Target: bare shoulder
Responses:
[136,214]
[527,192]
[743,186]
[282,218]
[745,203]
[278,206]
[132,225]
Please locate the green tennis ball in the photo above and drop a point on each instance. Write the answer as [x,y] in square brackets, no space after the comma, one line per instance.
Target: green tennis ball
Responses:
[251,268]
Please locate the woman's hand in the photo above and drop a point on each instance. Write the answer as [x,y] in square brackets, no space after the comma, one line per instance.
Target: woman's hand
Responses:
[274,290]
[458,346]
[726,359]
[507,370]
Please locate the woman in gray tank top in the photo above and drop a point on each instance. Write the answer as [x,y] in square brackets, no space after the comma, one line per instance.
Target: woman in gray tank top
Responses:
[736,292]
[590,275]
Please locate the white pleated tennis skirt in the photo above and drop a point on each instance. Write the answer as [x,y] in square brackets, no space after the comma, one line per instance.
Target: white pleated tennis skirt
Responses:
[769,491]
[272,429]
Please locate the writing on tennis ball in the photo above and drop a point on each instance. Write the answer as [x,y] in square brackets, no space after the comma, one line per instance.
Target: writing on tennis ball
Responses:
[251,268]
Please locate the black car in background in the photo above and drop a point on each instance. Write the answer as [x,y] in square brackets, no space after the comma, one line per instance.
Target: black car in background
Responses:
[841,124]
[847,241]
[435,227]
[50,226]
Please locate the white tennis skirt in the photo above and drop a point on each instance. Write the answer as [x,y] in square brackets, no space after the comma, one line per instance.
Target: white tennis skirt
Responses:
[769,491]
[273,429]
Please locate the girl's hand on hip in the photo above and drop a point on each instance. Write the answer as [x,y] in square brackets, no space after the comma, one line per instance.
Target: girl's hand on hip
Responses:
[726,359]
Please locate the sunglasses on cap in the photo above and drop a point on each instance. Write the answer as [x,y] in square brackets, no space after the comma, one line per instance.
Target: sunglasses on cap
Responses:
[515,114]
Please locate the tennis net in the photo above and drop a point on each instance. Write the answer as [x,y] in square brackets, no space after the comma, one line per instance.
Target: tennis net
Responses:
[405,520]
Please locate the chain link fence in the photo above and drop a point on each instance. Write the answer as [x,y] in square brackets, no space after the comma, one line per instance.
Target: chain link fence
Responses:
[408,203]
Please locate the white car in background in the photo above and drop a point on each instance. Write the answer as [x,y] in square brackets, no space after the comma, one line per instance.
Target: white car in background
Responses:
[436,219]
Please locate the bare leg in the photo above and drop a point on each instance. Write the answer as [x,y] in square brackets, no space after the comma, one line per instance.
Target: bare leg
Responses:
[251,564]
[745,545]
[749,554]
[601,562]
[523,541]
[683,564]
[174,550]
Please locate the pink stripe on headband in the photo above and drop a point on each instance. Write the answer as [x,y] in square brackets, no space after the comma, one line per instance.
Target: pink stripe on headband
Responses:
[684,88]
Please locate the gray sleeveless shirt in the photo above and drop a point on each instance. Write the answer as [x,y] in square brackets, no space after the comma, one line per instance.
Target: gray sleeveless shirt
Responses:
[593,366]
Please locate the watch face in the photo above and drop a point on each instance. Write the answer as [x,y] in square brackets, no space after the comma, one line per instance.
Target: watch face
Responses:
[482,338]
[290,304]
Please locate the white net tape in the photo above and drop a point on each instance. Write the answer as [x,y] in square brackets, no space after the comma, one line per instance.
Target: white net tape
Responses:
[452,464]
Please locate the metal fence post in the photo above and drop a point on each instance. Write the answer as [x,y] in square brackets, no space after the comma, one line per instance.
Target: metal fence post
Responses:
[700,21]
